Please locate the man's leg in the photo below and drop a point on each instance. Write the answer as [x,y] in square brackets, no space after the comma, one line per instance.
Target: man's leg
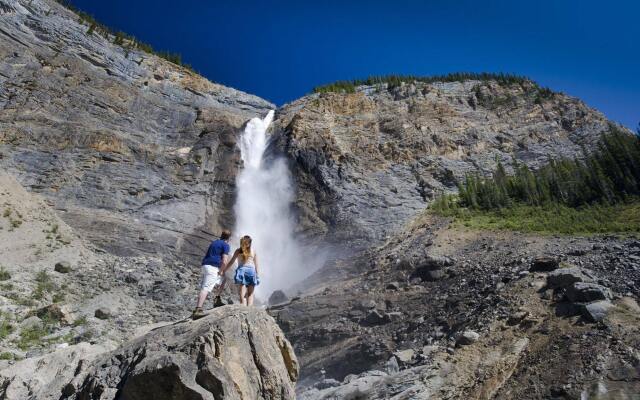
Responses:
[250,295]
[202,297]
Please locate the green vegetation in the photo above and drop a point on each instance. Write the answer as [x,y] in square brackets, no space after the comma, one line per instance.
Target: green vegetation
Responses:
[4,274]
[122,39]
[551,219]
[6,328]
[393,81]
[44,284]
[32,336]
[6,356]
[80,321]
[599,193]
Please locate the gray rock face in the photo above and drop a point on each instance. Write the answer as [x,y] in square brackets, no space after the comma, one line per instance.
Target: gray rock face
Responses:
[564,277]
[234,353]
[135,153]
[367,162]
[597,310]
[587,292]
[278,297]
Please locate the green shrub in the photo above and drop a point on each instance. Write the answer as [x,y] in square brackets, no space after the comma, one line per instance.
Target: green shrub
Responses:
[44,284]
[6,328]
[6,356]
[80,321]
[30,337]
[4,274]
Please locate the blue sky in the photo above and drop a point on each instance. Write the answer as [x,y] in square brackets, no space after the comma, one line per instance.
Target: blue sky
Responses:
[280,50]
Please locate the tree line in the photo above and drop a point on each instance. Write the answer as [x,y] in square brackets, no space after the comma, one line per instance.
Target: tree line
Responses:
[607,175]
[349,86]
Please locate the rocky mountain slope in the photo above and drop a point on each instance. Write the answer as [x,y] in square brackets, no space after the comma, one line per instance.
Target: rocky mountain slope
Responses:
[367,162]
[445,312]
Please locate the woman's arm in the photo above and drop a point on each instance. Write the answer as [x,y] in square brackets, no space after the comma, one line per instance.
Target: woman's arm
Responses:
[230,263]
[255,261]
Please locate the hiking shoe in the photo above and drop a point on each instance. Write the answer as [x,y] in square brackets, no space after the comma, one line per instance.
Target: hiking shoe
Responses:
[197,313]
[217,302]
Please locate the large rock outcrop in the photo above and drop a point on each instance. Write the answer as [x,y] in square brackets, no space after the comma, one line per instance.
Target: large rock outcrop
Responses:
[135,153]
[234,353]
[368,162]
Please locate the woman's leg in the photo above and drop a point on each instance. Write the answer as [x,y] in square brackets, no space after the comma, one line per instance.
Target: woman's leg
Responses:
[241,293]
[250,295]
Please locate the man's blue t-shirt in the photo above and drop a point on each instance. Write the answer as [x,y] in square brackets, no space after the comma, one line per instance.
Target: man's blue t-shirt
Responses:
[214,255]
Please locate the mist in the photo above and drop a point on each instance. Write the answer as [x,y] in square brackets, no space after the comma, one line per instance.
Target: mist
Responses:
[263,211]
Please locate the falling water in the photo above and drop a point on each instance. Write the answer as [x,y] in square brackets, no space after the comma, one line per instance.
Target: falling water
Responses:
[263,211]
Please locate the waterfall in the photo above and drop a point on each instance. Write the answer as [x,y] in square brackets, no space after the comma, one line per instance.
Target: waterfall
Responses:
[263,211]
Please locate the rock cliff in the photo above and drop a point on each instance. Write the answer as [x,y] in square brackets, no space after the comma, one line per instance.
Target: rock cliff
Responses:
[135,153]
[367,162]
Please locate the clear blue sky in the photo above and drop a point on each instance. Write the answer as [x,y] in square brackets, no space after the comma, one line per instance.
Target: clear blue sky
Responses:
[280,50]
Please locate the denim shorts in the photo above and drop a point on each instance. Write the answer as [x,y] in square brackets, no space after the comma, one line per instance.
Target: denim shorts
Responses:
[246,275]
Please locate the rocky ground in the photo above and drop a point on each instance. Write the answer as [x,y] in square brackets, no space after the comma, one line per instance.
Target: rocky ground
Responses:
[443,312]
[235,352]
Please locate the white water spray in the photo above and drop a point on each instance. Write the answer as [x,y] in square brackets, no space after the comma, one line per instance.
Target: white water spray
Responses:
[263,211]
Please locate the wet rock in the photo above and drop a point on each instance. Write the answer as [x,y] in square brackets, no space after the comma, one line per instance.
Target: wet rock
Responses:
[587,292]
[544,264]
[278,297]
[63,267]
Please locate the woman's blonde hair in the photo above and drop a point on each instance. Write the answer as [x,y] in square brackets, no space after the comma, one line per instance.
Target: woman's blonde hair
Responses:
[245,247]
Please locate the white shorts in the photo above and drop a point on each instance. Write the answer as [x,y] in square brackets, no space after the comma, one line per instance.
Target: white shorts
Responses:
[210,278]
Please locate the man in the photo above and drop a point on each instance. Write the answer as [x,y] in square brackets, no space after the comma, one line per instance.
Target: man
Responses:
[212,264]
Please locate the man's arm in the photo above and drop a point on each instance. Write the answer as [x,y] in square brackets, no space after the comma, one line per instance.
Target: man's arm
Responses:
[223,264]
[230,263]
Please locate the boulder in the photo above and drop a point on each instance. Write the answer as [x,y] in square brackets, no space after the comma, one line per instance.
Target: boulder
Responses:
[404,356]
[596,311]
[235,352]
[63,267]
[544,264]
[102,313]
[392,366]
[587,292]
[437,262]
[393,286]
[278,297]
[375,317]
[563,277]
[467,338]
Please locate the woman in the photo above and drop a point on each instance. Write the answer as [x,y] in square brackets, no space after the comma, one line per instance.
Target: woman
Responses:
[247,272]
